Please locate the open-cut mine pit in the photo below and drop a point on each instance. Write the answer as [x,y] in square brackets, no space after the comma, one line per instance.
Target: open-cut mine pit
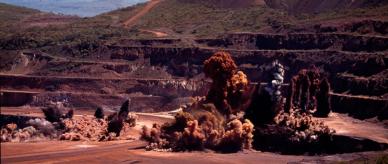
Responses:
[235,115]
[311,90]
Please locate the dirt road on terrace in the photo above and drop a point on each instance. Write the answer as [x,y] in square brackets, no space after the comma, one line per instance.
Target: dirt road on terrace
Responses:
[131,21]
[158,34]
[85,78]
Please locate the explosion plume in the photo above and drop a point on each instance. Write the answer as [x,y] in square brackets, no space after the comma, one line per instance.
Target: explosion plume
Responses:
[199,134]
[55,114]
[99,113]
[38,129]
[309,91]
[267,102]
[230,88]
[294,132]
[116,121]
[213,123]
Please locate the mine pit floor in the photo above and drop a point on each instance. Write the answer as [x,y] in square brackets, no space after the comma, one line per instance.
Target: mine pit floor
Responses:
[348,126]
[133,151]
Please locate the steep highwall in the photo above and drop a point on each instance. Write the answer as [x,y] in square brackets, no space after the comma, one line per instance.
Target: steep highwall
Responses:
[187,62]
[361,85]
[156,87]
[360,107]
[300,41]
[318,6]
[15,99]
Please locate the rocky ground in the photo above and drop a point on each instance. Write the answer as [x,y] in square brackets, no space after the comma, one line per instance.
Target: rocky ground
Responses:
[133,150]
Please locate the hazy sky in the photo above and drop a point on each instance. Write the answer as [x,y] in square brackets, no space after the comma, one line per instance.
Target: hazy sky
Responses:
[84,8]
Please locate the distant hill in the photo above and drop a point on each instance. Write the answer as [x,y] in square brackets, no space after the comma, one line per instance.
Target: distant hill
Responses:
[227,3]
[210,17]
[318,6]
[22,28]
[14,13]
[202,18]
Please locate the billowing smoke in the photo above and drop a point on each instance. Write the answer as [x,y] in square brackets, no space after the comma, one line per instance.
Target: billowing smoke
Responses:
[124,110]
[69,114]
[216,122]
[99,128]
[65,127]
[229,90]
[116,121]
[115,125]
[84,128]
[267,102]
[11,134]
[304,127]
[309,91]
[294,132]
[55,114]
[132,119]
[39,129]
[238,135]
[99,113]
[211,123]
[232,117]
[291,128]
[206,132]
[52,114]
[274,86]
[43,126]
[323,99]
